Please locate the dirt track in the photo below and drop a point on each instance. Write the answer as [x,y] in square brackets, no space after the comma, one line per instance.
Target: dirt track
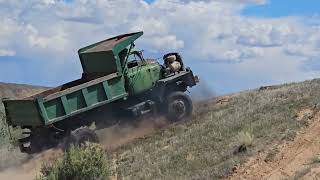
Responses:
[299,159]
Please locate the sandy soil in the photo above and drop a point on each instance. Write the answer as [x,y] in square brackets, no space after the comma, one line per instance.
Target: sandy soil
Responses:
[299,159]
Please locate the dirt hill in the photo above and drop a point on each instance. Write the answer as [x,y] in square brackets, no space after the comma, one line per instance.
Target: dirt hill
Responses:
[224,133]
[240,136]
[9,90]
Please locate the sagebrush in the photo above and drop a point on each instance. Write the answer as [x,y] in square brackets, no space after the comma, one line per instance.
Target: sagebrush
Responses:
[245,138]
[78,163]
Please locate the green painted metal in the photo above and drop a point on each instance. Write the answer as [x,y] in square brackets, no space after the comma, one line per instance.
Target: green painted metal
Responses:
[23,113]
[76,101]
[85,96]
[107,89]
[143,77]
[51,121]
[67,103]
[83,99]
[42,109]
[99,63]
[54,108]
[103,57]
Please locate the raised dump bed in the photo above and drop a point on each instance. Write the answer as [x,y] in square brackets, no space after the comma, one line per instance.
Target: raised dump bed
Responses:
[59,105]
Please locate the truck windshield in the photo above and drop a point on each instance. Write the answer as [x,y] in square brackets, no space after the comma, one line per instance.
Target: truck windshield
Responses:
[134,59]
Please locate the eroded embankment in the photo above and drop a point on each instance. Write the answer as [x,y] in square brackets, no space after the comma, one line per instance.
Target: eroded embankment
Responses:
[298,159]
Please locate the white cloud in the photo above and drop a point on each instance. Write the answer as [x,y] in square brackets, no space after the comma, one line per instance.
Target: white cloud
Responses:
[55,42]
[6,52]
[206,31]
[48,2]
[302,50]
[241,54]
[168,42]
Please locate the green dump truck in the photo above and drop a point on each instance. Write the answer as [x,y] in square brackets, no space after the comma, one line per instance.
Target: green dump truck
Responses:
[116,81]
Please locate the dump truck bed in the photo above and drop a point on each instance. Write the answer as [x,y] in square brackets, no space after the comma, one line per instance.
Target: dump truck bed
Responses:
[54,105]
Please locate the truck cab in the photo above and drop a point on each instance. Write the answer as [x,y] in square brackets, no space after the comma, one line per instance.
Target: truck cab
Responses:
[141,74]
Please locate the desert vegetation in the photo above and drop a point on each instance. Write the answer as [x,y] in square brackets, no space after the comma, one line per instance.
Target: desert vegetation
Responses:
[223,133]
[208,146]
[78,163]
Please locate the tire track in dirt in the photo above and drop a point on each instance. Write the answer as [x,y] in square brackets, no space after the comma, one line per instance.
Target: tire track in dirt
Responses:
[293,159]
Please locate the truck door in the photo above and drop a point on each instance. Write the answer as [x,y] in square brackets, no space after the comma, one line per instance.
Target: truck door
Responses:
[138,78]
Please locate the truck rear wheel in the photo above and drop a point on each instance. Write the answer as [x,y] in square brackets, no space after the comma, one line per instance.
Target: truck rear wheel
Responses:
[179,106]
[40,140]
[80,137]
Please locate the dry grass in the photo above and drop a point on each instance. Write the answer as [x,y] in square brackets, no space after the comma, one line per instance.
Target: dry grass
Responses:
[203,148]
[316,159]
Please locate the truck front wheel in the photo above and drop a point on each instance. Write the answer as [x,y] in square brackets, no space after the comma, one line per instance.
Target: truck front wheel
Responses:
[179,106]
[81,136]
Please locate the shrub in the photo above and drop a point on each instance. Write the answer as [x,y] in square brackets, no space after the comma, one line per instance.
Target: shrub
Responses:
[89,162]
[316,159]
[245,138]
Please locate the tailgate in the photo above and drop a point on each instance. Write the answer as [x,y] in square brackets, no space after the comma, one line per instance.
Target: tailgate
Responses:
[22,113]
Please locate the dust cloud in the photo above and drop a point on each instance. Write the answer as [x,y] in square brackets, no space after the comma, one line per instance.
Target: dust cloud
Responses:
[202,92]
[29,166]
[123,133]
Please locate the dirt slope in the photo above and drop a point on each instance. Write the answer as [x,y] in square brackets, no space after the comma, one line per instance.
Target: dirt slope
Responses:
[298,159]
[208,147]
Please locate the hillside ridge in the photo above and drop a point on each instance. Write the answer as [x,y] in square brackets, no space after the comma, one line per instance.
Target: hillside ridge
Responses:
[12,90]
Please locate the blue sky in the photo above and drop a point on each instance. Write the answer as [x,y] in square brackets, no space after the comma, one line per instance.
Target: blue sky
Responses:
[277,8]
[232,46]
[149,1]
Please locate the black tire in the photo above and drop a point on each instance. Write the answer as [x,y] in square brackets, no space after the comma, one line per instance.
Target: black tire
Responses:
[80,137]
[179,106]
[40,140]
[36,145]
